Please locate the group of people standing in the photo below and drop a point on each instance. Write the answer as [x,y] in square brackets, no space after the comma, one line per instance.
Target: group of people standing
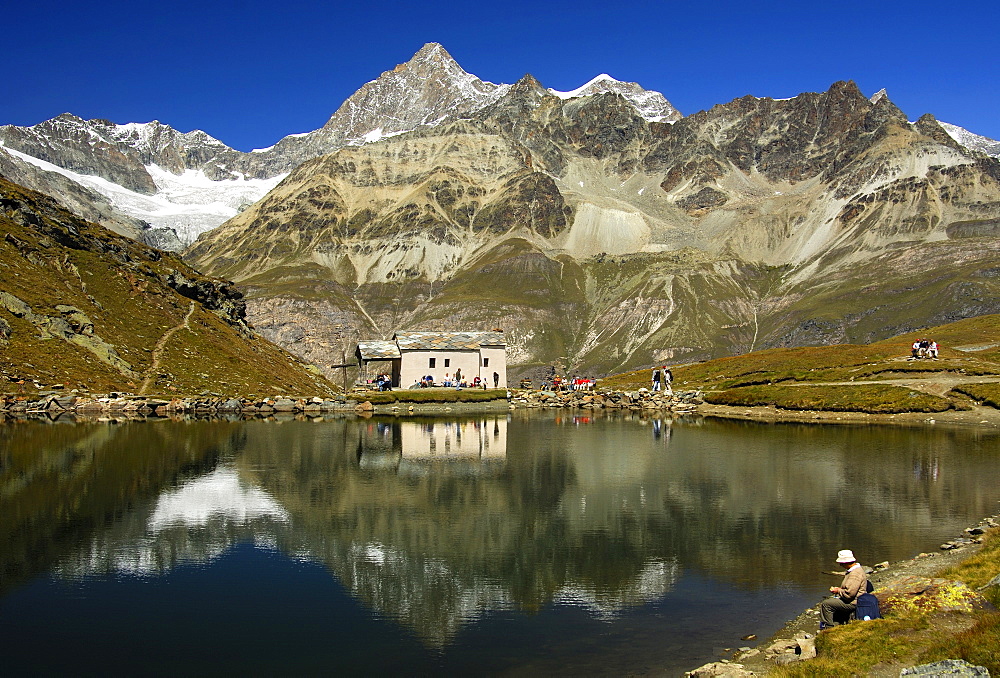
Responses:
[663,379]
[924,348]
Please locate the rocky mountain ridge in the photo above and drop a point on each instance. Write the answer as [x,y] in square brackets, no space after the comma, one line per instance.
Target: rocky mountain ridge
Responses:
[600,228]
[599,239]
[178,180]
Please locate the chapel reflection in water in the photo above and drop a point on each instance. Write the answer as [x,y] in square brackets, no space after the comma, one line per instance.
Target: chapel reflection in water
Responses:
[400,444]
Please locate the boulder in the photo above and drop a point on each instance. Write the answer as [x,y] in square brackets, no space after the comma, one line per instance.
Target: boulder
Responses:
[948,667]
[284,405]
[719,670]
[230,405]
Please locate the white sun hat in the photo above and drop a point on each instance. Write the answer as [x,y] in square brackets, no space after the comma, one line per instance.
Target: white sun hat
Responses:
[846,556]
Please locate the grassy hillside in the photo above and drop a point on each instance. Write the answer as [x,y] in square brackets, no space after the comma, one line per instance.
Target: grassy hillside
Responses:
[873,377]
[81,307]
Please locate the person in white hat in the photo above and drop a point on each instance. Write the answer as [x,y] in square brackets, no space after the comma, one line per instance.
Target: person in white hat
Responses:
[844,601]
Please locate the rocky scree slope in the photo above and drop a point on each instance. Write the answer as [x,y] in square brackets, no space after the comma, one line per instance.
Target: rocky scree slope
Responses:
[86,308]
[600,240]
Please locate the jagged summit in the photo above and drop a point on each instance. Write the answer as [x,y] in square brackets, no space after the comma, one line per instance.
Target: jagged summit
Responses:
[971,140]
[425,90]
[651,105]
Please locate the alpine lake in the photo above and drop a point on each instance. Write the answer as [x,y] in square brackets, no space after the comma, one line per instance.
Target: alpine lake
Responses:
[519,543]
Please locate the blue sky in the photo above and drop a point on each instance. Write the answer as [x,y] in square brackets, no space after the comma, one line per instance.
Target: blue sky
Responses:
[251,72]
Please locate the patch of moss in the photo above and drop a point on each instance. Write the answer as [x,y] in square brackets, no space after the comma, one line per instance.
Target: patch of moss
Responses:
[404,396]
[987,394]
[868,398]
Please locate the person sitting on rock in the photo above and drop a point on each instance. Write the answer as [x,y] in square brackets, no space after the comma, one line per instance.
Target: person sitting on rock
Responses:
[839,608]
[915,350]
[932,350]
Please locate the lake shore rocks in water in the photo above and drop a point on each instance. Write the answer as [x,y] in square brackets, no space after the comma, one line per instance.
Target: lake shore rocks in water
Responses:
[643,399]
[129,404]
[126,404]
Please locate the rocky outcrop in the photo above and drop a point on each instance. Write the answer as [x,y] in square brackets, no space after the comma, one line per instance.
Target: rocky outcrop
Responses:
[216,295]
[71,326]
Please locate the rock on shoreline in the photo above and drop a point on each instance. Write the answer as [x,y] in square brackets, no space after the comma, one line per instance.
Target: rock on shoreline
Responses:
[128,404]
[152,406]
[643,399]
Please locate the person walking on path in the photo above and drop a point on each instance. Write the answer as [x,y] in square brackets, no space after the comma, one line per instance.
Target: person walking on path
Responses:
[656,378]
[839,608]
[668,379]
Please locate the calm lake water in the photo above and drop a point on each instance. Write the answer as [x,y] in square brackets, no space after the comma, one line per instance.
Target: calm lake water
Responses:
[523,544]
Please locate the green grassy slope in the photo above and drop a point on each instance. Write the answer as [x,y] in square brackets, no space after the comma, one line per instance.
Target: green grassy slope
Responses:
[841,377]
[88,309]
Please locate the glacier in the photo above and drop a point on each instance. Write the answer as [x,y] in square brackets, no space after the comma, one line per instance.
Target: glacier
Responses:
[189,203]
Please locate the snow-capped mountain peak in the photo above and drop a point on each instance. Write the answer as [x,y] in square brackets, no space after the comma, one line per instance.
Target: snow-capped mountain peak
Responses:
[428,88]
[157,174]
[651,105]
[972,140]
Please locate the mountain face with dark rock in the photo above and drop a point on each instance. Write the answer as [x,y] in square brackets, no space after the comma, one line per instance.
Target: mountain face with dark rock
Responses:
[599,228]
[600,240]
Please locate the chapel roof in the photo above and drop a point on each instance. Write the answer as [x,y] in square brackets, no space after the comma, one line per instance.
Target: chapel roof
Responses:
[413,341]
[378,350]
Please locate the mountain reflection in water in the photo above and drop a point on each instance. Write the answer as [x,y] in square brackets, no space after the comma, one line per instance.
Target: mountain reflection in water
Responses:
[438,522]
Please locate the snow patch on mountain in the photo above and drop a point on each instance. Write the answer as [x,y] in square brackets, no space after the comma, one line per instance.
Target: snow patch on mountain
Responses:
[976,142]
[651,105]
[189,203]
[582,90]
